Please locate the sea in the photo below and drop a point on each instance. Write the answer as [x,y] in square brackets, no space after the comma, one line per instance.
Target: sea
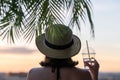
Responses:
[23,75]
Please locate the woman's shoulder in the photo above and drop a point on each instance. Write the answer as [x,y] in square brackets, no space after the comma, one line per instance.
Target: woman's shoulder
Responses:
[34,73]
[75,73]
[38,70]
[80,70]
[82,73]
[34,70]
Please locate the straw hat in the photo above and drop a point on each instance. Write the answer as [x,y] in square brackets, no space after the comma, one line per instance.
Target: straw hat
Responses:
[58,42]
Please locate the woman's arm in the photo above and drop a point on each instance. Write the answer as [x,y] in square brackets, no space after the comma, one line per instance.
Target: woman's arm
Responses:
[94,69]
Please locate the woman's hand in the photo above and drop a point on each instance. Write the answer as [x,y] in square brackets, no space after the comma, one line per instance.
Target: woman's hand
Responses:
[93,67]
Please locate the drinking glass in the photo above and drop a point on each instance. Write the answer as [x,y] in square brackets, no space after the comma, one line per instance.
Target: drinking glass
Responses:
[88,55]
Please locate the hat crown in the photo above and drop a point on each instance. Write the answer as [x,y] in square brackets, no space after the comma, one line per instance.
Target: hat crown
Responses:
[58,34]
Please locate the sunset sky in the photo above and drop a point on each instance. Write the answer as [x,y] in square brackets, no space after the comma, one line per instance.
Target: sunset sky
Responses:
[106,16]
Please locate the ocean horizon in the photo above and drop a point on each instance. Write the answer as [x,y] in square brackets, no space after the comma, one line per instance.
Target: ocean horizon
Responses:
[23,76]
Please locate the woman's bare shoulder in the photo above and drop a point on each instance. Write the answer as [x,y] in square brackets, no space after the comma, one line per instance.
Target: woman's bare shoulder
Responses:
[39,70]
[36,69]
[75,73]
[80,70]
[34,73]
[83,73]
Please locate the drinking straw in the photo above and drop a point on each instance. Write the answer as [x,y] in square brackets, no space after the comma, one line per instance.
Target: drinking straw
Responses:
[88,50]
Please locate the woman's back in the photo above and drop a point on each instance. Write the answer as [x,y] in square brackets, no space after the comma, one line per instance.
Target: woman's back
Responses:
[46,73]
[59,50]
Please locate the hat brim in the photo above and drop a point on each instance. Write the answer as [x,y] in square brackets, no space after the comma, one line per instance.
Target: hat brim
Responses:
[55,53]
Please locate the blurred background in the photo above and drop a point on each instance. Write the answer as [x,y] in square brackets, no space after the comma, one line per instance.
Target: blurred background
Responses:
[17,59]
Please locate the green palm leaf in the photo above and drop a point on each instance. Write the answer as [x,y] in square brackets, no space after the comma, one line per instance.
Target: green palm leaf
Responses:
[29,18]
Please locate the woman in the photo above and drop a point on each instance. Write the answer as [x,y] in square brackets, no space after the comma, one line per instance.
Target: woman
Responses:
[58,44]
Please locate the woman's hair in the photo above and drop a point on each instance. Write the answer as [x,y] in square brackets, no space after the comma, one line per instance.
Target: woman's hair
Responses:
[52,62]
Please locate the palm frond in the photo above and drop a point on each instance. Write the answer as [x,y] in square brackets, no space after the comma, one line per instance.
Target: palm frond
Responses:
[29,18]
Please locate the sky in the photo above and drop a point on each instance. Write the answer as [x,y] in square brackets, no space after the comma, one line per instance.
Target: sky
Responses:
[21,57]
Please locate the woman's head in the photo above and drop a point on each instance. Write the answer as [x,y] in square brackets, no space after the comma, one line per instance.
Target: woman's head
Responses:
[58,42]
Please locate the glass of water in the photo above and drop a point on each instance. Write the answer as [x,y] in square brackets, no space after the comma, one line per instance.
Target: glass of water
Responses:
[88,56]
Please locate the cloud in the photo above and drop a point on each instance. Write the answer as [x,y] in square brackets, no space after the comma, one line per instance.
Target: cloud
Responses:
[17,50]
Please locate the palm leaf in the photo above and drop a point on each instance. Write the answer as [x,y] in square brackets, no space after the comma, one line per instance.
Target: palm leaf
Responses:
[30,18]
